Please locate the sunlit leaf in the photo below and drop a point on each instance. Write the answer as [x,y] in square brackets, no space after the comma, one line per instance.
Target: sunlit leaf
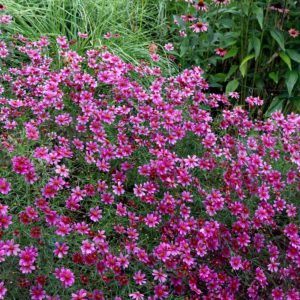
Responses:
[243,65]
[286,59]
[232,86]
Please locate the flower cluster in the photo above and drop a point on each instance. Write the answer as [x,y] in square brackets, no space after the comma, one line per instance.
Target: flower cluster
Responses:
[121,183]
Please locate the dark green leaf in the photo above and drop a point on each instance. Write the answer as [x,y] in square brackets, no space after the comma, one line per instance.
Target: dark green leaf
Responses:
[276,105]
[257,45]
[296,103]
[231,71]
[259,13]
[219,77]
[291,79]
[294,55]
[278,37]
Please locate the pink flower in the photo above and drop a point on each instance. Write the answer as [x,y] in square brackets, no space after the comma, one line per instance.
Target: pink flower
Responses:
[136,296]
[37,293]
[234,95]
[199,27]
[221,51]
[11,249]
[169,47]
[22,165]
[277,294]
[95,214]
[201,5]
[293,32]
[3,290]
[155,57]
[49,191]
[66,276]
[87,247]
[79,295]
[62,171]
[261,277]
[221,2]
[5,19]
[4,186]
[159,275]
[236,262]
[139,278]
[152,220]
[82,35]
[161,292]
[61,249]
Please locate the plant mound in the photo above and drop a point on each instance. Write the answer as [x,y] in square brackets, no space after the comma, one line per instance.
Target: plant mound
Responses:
[120,183]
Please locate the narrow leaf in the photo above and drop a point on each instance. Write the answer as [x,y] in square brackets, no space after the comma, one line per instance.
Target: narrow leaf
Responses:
[286,59]
[278,37]
[232,86]
[257,46]
[231,71]
[259,13]
[292,77]
[243,65]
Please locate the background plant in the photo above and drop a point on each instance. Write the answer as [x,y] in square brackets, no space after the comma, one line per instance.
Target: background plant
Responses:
[132,25]
[257,47]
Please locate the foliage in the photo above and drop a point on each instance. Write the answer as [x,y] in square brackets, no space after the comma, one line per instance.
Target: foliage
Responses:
[249,46]
[126,27]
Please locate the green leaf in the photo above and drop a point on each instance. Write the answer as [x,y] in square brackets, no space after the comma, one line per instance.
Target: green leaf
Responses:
[286,59]
[274,76]
[294,55]
[291,79]
[296,103]
[232,52]
[184,47]
[243,65]
[259,13]
[232,86]
[257,45]
[278,37]
[219,77]
[276,105]
[231,71]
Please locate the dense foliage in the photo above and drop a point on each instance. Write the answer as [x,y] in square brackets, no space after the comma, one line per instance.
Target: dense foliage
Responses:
[248,45]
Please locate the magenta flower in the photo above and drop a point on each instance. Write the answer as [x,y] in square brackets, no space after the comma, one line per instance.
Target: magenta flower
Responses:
[199,27]
[3,290]
[66,276]
[169,46]
[5,186]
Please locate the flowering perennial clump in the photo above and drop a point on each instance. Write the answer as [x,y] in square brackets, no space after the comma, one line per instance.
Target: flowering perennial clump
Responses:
[120,183]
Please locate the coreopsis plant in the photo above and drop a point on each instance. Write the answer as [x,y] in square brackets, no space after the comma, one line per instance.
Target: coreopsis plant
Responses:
[113,188]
